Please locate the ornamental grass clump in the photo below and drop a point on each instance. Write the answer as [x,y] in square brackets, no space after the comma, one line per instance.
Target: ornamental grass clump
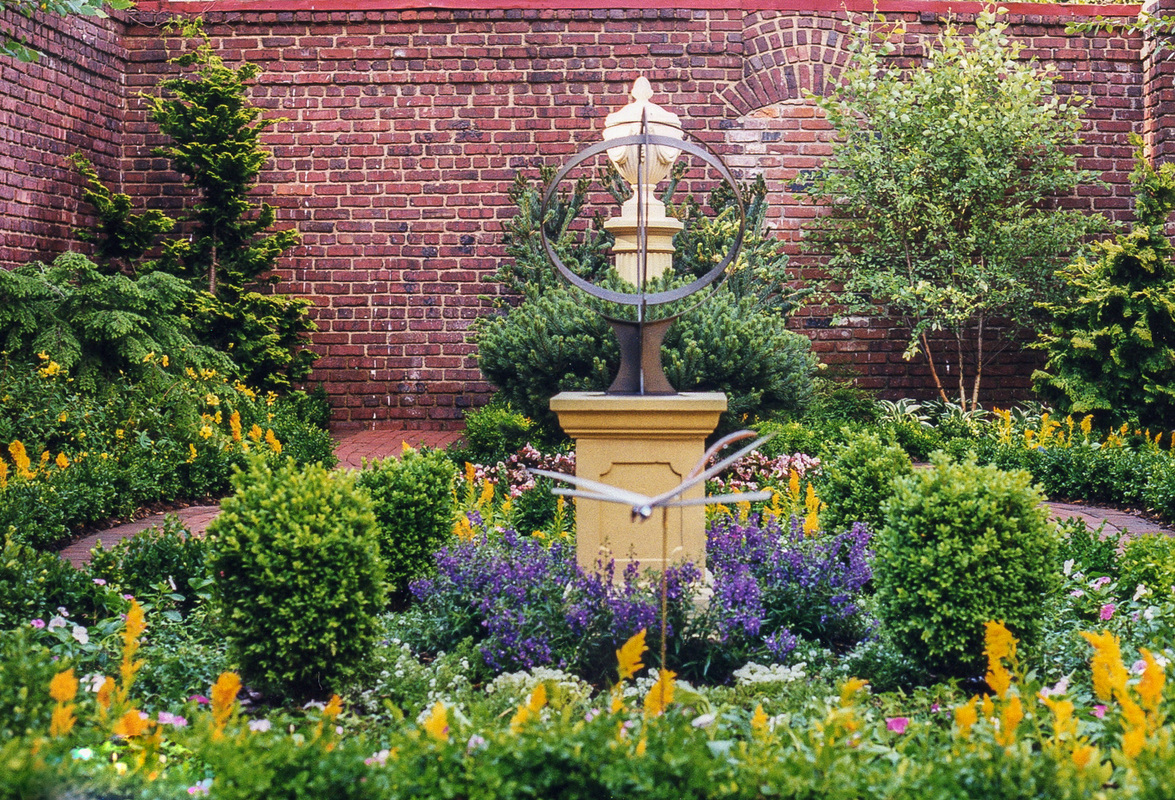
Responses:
[962,544]
[298,576]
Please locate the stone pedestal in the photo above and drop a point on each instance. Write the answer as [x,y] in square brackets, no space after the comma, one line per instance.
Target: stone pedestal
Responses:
[646,444]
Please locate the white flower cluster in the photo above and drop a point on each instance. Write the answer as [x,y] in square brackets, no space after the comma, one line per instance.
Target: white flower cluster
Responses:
[754,673]
[520,684]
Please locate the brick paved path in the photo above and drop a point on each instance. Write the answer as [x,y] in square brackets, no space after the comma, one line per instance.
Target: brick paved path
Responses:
[354,446]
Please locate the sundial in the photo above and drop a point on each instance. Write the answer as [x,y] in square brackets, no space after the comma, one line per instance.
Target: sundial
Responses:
[643,141]
[641,445]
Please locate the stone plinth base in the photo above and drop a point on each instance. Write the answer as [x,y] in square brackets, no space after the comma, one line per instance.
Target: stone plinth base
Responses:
[646,444]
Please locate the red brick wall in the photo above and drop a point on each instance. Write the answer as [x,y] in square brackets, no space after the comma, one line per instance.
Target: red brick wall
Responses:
[406,128]
[72,100]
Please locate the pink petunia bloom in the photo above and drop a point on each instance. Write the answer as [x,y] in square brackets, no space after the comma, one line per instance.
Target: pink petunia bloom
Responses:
[1106,612]
[201,699]
[38,623]
[897,725]
[1099,711]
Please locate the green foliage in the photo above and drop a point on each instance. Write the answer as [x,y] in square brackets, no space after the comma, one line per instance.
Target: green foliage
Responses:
[298,576]
[412,498]
[584,249]
[96,326]
[813,438]
[1093,553]
[122,236]
[857,479]
[940,183]
[556,343]
[167,434]
[1159,492]
[227,252]
[556,340]
[168,554]
[838,399]
[1111,350]
[19,49]
[34,585]
[962,545]
[1149,560]
[25,672]
[553,343]
[492,433]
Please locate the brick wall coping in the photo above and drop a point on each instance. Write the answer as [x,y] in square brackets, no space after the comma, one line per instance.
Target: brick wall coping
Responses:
[884,6]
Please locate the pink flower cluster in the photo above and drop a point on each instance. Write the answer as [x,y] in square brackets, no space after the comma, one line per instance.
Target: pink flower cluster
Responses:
[515,470]
[749,474]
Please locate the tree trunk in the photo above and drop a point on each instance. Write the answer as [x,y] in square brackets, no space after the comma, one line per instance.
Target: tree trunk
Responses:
[933,372]
[978,366]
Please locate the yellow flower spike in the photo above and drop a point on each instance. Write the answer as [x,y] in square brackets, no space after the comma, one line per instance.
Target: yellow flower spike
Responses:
[988,707]
[628,657]
[1083,755]
[406,448]
[813,505]
[530,709]
[1087,424]
[661,694]
[759,721]
[165,361]
[274,444]
[132,723]
[470,474]
[519,719]
[1109,673]
[776,509]
[966,716]
[463,529]
[1134,730]
[436,724]
[642,746]
[20,458]
[1064,723]
[64,686]
[205,432]
[234,424]
[999,645]
[793,484]
[487,493]
[63,416]
[255,433]
[191,452]
[850,688]
[62,461]
[333,708]
[1010,718]
[1150,686]
[105,695]
[617,704]
[744,511]
[62,721]
[224,701]
[3,474]
[44,457]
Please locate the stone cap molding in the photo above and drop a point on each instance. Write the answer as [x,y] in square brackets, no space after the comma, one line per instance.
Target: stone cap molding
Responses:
[749,6]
